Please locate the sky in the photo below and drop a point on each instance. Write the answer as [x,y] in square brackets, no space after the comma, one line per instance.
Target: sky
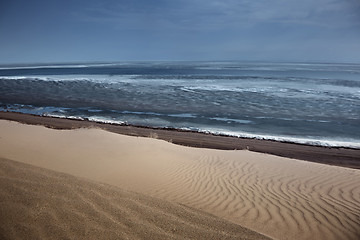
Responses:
[179,30]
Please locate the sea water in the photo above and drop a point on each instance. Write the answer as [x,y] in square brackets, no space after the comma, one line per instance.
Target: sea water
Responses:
[310,103]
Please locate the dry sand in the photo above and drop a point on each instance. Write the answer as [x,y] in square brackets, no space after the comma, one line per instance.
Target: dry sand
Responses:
[280,197]
[42,204]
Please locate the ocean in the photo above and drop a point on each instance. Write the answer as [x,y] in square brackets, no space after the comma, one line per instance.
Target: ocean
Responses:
[308,103]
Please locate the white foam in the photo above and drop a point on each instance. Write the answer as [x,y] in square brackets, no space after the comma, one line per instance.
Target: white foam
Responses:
[104,120]
[54,115]
[183,115]
[94,110]
[231,120]
[349,143]
[141,113]
[63,66]
[232,88]
[75,117]
[77,77]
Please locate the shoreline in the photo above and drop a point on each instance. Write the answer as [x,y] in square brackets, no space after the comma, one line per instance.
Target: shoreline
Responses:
[338,156]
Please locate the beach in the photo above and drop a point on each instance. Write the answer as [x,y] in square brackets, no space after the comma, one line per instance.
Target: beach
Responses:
[195,183]
[180,120]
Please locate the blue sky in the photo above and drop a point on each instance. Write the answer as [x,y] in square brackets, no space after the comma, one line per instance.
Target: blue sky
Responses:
[245,30]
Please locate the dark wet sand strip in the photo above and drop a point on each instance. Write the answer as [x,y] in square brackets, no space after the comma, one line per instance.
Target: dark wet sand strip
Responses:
[343,157]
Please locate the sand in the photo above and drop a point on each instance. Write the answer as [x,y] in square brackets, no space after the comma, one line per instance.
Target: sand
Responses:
[279,197]
[41,204]
[343,157]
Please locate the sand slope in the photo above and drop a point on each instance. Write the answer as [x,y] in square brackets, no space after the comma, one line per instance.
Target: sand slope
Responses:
[285,200]
[279,197]
[41,204]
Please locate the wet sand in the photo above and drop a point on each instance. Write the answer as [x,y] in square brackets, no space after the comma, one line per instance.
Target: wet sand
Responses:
[343,157]
[279,197]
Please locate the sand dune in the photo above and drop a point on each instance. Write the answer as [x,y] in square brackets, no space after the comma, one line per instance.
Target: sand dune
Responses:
[286,200]
[41,204]
[279,197]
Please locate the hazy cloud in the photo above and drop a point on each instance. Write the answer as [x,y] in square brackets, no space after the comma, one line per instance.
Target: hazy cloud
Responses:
[288,30]
[226,13]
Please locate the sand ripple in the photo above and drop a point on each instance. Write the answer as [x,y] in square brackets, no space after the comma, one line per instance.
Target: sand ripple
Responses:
[279,197]
[42,204]
[302,200]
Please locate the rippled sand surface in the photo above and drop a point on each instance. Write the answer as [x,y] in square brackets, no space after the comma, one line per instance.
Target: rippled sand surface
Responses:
[42,204]
[278,197]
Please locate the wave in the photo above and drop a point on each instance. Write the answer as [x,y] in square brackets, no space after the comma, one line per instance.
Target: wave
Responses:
[293,103]
[309,140]
[183,115]
[280,67]
[19,67]
[350,91]
[75,77]
[63,112]
[231,120]
[91,119]
[313,141]
[209,82]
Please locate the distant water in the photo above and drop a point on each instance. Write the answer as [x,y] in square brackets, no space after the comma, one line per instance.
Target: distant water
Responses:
[316,104]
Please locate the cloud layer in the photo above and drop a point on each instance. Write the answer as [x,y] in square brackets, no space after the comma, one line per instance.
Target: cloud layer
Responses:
[91,30]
